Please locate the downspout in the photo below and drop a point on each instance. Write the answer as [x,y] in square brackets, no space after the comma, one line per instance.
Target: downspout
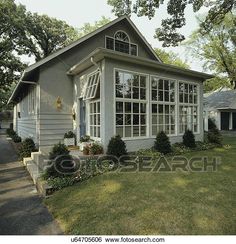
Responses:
[95,64]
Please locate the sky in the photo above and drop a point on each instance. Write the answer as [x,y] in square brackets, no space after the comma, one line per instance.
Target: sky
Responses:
[78,12]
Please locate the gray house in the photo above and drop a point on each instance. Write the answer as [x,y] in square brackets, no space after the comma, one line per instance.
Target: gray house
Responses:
[108,82]
[221,107]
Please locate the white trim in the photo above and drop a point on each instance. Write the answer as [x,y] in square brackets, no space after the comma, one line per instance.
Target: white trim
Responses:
[114,49]
[146,101]
[123,32]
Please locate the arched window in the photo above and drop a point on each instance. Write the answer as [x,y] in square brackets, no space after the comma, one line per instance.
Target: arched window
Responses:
[121,43]
[121,36]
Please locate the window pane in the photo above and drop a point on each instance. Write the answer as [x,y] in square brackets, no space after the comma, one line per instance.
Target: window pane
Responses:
[119,91]
[154,108]
[142,93]
[160,84]
[121,46]
[119,131]
[154,130]
[119,107]
[136,81]
[136,119]
[110,43]
[135,93]
[128,131]
[135,131]
[142,81]
[154,95]
[127,107]
[133,49]
[143,119]
[154,83]
[127,119]
[143,107]
[154,119]
[143,131]
[119,119]
[136,108]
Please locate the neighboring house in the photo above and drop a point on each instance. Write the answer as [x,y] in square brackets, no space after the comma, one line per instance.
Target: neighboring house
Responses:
[108,82]
[221,107]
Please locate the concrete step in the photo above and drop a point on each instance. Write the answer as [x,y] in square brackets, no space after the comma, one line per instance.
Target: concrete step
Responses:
[26,161]
[40,159]
[33,170]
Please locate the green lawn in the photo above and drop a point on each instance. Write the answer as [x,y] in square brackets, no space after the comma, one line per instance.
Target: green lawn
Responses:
[153,203]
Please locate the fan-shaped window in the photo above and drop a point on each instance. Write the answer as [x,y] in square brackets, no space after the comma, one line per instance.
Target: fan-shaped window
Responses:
[121,36]
[121,43]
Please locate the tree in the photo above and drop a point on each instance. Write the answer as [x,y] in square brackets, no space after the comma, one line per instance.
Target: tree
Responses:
[11,25]
[168,33]
[218,51]
[171,58]
[88,28]
[44,35]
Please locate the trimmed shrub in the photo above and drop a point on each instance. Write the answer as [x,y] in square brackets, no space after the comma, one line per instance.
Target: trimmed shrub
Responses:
[189,139]
[214,136]
[69,134]
[116,147]
[211,124]
[162,143]
[16,138]
[85,139]
[27,148]
[95,149]
[61,163]
[10,132]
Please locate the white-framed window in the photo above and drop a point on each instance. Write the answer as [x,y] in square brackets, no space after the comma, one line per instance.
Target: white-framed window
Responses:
[188,107]
[163,105]
[93,82]
[95,119]
[32,100]
[121,43]
[131,104]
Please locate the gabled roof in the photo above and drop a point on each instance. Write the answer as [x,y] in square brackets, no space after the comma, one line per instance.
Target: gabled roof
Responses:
[221,100]
[29,70]
[86,37]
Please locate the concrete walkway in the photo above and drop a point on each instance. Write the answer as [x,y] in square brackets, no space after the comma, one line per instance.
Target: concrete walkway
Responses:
[21,209]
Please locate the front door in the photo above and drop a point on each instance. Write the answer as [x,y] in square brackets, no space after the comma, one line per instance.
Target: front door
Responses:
[234,121]
[82,116]
[224,120]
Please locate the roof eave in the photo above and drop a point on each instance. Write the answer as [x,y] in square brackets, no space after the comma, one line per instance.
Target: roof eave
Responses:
[101,53]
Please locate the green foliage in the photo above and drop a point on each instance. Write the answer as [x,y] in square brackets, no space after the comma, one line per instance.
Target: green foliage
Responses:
[189,139]
[27,148]
[214,136]
[16,138]
[88,28]
[168,33]
[217,49]
[162,143]
[85,138]
[57,150]
[211,124]
[95,149]
[10,132]
[69,134]
[58,183]
[116,147]
[58,154]
[171,58]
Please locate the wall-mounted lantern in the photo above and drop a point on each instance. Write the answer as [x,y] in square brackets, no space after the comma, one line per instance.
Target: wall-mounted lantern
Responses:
[59,103]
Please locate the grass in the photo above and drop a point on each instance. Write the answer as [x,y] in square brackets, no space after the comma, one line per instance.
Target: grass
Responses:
[153,203]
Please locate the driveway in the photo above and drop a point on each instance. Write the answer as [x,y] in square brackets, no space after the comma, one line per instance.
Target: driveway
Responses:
[22,211]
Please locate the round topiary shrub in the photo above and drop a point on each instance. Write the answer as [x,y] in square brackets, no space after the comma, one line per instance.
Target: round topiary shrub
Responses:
[189,139]
[116,147]
[16,138]
[162,143]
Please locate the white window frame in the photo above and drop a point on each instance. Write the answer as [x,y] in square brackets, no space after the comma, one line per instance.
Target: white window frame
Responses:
[98,126]
[189,105]
[164,103]
[131,100]
[94,87]
[32,100]
[130,43]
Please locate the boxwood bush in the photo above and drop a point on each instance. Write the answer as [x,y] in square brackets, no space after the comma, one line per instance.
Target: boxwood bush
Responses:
[162,143]
[116,147]
[189,139]
[27,148]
